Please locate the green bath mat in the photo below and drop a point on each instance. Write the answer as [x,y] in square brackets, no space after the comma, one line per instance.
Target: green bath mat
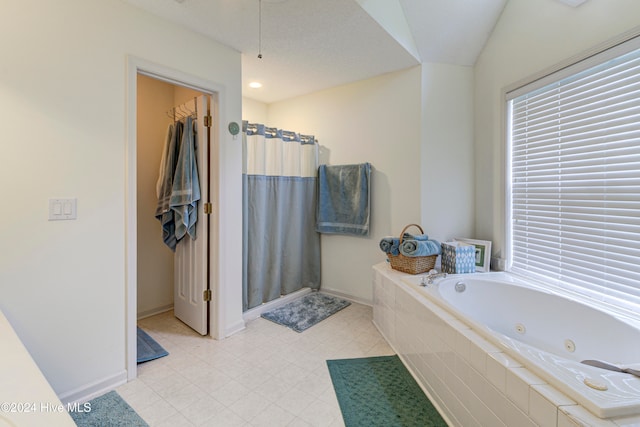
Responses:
[379,391]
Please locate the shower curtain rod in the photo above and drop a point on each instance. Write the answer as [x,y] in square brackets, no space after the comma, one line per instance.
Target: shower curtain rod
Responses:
[273,132]
[305,138]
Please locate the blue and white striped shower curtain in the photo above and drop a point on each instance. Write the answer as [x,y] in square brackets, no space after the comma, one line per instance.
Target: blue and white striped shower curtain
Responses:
[281,249]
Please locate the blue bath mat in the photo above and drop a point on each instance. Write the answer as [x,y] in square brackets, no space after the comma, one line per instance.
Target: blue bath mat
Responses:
[303,313]
[379,391]
[148,348]
[108,410]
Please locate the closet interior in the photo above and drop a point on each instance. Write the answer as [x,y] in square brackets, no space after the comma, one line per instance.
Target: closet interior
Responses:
[161,104]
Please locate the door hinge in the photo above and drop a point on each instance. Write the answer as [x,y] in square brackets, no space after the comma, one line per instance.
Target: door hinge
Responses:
[208,208]
[206,295]
[207,121]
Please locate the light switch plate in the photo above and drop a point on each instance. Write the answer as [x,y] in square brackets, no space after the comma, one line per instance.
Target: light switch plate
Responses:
[63,209]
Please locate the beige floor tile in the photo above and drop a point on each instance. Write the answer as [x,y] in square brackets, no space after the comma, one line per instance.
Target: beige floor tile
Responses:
[226,418]
[250,406]
[230,393]
[138,394]
[185,396]
[176,420]
[156,412]
[253,377]
[202,410]
[292,374]
[212,379]
[298,422]
[271,416]
[265,375]
[319,414]
[295,401]
[274,389]
[169,385]
[315,384]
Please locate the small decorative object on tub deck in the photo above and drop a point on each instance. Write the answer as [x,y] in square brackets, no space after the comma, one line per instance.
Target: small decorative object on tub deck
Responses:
[458,257]
[483,253]
[413,264]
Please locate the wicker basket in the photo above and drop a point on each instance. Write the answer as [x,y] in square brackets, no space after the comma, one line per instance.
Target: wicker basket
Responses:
[412,265]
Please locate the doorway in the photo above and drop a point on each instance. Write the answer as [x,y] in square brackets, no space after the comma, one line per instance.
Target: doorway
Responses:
[173,278]
[188,84]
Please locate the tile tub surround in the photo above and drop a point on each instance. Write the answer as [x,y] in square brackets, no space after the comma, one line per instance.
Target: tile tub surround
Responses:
[471,381]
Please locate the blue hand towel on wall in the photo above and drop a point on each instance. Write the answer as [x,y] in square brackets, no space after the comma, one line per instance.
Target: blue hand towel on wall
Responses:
[343,199]
[413,248]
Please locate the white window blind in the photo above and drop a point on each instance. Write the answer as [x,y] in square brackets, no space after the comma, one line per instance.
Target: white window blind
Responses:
[575,177]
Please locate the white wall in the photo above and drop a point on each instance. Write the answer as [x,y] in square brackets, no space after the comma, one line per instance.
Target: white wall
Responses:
[254,111]
[377,121]
[447,155]
[531,36]
[63,97]
[381,121]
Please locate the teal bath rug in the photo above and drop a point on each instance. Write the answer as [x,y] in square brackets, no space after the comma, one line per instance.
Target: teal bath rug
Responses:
[108,410]
[379,391]
[148,348]
[303,313]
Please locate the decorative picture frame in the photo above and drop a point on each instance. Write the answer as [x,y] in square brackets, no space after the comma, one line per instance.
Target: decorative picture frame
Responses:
[483,253]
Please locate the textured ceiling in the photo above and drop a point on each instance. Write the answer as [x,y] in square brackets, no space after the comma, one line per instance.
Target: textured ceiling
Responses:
[310,45]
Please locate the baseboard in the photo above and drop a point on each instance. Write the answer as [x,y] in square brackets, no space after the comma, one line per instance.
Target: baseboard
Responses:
[153,312]
[256,312]
[235,328]
[346,296]
[98,388]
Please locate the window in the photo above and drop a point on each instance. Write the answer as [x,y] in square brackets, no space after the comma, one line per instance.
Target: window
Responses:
[574,141]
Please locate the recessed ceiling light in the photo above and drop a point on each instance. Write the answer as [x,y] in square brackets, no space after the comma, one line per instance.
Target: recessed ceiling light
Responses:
[255,85]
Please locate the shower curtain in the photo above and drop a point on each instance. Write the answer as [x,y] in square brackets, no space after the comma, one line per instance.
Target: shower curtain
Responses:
[281,249]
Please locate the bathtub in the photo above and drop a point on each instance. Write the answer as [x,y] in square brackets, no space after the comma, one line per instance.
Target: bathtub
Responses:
[526,341]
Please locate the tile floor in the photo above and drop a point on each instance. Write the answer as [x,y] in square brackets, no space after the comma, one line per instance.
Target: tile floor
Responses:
[266,375]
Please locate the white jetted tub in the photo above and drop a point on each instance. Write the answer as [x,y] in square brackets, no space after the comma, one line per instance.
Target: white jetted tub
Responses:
[521,326]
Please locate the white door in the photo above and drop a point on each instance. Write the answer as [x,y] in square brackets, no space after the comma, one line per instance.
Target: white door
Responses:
[191,261]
